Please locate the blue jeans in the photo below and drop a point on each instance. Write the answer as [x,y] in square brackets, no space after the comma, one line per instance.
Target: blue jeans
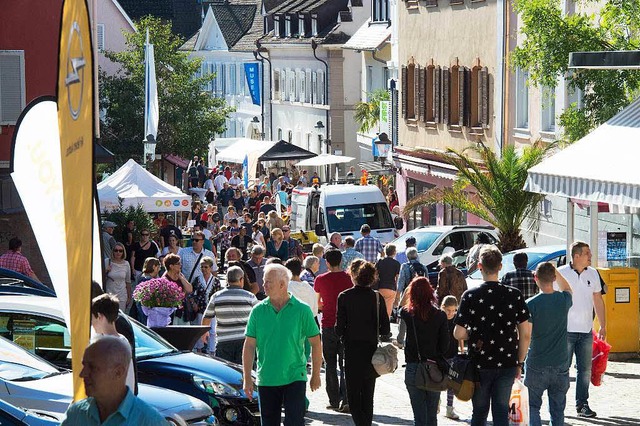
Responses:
[493,392]
[273,397]
[424,403]
[582,345]
[555,380]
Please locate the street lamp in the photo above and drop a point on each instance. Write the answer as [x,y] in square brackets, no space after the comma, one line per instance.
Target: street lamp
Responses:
[320,126]
[383,144]
[149,149]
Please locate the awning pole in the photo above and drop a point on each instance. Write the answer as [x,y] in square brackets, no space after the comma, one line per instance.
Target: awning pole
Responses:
[593,234]
[570,227]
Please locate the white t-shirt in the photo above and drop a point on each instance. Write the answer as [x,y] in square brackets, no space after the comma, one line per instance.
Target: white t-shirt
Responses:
[304,293]
[219,182]
[235,181]
[584,285]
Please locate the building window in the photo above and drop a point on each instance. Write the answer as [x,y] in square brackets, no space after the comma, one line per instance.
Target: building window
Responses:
[301,29]
[308,95]
[276,25]
[574,97]
[319,88]
[232,79]
[302,83]
[276,85]
[454,216]
[279,134]
[522,99]
[100,37]
[12,86]
[314,25]
[380,10]
[290,136]
[548,109]
[242,80]
[479,98]
[283,85]
[291,77]
[287,25]
[424,216]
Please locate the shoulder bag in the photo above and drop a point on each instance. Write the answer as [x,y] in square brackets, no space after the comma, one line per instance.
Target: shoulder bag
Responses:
[385,358]
[429,376]
[190,304]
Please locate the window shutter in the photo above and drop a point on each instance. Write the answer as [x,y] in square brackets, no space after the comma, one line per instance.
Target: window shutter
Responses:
[100,36]
[314,87]
[11,87]
[465,99]
[437,94]
[483,97]
[308,98]
[276,85]
[404,92]
[233,74]
[321,88]
[446,81]
[214,77]
[242,82]
[303,86]
[461,97]
[223,74]
[422,98]
[416,90]
[283,85]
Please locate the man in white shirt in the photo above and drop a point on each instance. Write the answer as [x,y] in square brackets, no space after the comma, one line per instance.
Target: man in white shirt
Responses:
[586,285]
[219,181]
[301,290]
[235,180]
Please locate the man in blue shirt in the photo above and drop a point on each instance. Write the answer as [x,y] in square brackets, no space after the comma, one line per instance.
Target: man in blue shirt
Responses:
[110,402]
[546,366]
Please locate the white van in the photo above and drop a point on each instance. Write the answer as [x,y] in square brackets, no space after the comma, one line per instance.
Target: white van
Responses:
[343,209]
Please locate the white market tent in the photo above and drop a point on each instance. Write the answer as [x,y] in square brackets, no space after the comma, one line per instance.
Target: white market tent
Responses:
[601,167]
[236,152]
[135,185]
[324,159]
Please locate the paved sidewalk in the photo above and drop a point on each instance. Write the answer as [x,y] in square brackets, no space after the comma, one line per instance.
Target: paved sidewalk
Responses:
[616,401]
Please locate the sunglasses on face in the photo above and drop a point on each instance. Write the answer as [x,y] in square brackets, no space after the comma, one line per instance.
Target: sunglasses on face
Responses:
[145,235]
[118,251]
[196,239]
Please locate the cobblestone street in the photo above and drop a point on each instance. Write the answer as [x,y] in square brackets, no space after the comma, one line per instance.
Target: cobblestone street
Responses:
[615,401]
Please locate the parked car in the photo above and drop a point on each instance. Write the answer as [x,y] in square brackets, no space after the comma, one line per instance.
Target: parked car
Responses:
[212,380]
[12,282]
[31,382]
[557,254]
[433,241]
[16,416]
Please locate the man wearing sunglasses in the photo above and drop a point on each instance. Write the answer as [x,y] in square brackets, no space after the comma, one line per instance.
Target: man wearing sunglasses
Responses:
[191,256]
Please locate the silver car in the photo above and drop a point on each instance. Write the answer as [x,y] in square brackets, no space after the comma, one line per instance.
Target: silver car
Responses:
[30,382]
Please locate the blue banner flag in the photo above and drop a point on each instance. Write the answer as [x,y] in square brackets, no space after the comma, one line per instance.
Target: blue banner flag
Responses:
[245,171]
[374,147]
[253,81]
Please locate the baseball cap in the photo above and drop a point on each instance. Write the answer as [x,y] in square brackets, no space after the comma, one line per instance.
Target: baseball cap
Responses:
[108,224]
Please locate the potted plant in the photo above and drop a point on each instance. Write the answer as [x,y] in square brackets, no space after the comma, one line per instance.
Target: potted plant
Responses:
[159,298]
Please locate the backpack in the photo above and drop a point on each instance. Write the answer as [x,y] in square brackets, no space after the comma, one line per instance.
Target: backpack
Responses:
[193,172]
[417,269]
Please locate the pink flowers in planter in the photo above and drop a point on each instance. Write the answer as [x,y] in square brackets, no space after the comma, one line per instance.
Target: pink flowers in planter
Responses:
[159,293]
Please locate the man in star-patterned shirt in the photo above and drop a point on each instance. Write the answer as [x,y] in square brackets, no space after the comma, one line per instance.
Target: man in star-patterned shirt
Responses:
[494,319]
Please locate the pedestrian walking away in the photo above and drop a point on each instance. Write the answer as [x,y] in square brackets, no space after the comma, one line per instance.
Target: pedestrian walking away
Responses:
[546,367]
[586,286]
[369,246]
[427,338]
[361,322]
[451,281]
[522,278]
[276,331]
[494,319]
[388,270]
[16,261]
[328,286]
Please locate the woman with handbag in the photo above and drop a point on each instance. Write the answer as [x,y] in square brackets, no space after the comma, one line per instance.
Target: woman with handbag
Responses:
[426,343]
[361,319]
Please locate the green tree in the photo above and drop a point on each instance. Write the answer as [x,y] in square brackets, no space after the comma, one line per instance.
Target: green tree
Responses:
[368,113]
[549,37]
[492,191]
[188,116]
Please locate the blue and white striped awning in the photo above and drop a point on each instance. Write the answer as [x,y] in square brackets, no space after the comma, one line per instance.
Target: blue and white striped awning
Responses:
[604,166]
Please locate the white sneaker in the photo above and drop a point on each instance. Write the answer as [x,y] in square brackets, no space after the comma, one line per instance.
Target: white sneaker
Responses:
[451,414]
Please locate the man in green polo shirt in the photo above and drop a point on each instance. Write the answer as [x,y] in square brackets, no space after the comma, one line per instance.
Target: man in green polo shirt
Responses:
[277,329]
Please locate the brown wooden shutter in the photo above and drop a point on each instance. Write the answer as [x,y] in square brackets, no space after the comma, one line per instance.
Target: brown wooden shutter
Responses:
[404,91]
[467,98]
[437,94]
[461,97]
[446,82]
[423,93]
[276,85]
[484,97]
[417,69]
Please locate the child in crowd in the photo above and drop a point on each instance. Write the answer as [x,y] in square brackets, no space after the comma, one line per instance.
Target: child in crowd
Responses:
[450,307]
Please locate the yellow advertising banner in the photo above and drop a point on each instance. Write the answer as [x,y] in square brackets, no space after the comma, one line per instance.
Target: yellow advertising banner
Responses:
[76,119]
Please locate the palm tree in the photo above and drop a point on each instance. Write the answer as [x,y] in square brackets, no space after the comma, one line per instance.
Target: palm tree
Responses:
[492,189]
[368,113]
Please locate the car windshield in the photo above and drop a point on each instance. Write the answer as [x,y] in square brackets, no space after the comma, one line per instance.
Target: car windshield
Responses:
[508,266]
[351,218]
[19,364]
[424,240]
[148,343]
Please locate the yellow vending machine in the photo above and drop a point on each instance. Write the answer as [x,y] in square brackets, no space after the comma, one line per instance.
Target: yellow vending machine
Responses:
[621,306]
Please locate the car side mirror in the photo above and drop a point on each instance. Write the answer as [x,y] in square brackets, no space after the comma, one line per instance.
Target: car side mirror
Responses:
[320,231]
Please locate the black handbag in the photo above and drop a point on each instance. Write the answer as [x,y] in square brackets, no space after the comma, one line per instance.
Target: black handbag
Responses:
[462,376]
[429,375]
[189,309]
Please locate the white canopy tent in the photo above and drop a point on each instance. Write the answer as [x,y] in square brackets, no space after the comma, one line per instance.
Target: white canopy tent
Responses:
[324,159]
[236,152]
[135,185]
[601,167]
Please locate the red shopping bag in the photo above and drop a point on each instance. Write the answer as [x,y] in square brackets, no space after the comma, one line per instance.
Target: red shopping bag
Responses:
[599,359]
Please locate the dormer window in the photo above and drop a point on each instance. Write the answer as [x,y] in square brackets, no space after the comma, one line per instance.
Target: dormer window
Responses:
[287,25]
[314,25]
[276,25]
[380,10]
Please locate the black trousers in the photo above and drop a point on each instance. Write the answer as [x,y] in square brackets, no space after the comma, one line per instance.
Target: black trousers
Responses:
[333,353]
[361,380]
[272,398]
